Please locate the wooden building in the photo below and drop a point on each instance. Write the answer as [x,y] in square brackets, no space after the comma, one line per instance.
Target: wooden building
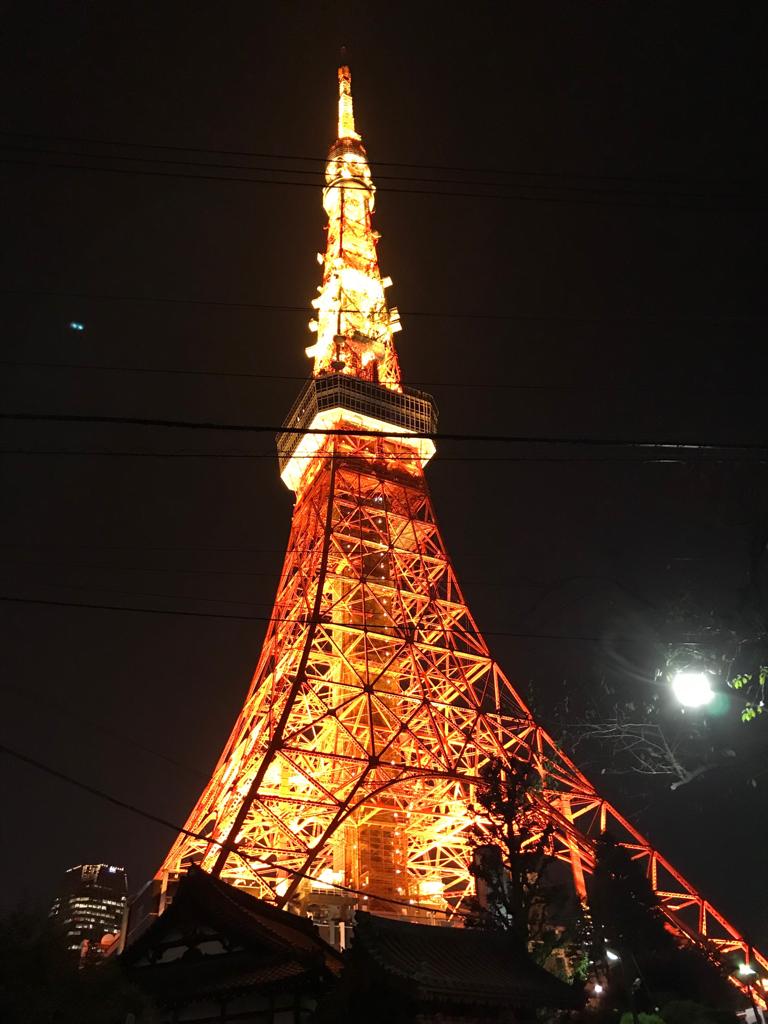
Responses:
[403,973]
[219,955]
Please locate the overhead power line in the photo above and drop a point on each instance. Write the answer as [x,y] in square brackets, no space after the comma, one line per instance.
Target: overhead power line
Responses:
[670,179]
[319,176]
[13,599]
[144,547]
[245,602]
[270,378]
[103,566]
[368,580]
[249,550]
[259,428]
[231,846]
[481,314]
[571,459]
[509,582]
[38,699]
[93,790]
[666,201]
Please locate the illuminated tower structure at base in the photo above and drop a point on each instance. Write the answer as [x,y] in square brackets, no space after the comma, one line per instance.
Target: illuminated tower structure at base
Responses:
[350,777]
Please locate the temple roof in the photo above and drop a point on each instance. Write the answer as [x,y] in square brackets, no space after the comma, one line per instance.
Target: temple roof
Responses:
[466,965]
[216,938]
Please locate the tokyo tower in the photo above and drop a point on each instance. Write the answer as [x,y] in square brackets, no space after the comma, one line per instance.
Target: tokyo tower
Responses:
[350,775]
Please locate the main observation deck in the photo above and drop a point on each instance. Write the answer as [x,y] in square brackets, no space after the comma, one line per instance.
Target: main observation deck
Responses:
[326,401]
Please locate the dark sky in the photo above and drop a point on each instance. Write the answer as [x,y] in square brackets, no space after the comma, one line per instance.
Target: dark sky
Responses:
[618,291]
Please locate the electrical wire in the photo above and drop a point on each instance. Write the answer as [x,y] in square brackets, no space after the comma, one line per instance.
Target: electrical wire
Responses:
[368,580]
[668,179]
[320,179]
[151,593]
[260,428]
[247,550]
[139,568]
[564,460]
[664,204]
[39,699]
[270,378]
[477,636]
[482,314]
[243,549]
[232,847]
[507,583]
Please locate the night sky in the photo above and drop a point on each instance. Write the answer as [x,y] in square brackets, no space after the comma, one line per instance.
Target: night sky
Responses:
[615,290]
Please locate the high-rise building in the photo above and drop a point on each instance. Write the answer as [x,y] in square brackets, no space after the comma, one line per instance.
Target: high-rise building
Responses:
[350,778]
[88,910]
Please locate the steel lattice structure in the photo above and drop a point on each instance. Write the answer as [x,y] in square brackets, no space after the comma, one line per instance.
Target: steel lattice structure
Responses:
[376,701]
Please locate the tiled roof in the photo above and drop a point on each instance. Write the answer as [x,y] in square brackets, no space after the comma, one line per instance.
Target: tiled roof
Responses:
[276,933]
[240,908]
[460,964]
[219,975]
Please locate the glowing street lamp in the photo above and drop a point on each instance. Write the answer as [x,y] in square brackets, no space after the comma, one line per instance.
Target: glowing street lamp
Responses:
[613,957]
[692,688]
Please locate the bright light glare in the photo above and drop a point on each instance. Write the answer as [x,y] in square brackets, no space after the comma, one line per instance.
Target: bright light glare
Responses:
[692,689]
[611,955]
[745,970]
[598,988]
[328,879]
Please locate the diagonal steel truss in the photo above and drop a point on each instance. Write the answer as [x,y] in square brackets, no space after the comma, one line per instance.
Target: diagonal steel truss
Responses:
[375,703]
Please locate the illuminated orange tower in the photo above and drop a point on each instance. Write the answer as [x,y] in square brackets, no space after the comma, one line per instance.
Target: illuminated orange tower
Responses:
[350,776]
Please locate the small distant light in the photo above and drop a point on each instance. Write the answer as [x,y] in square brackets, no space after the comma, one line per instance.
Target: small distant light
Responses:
[692,689]
[75,325]
[598,988]
[611,955]
[745,970]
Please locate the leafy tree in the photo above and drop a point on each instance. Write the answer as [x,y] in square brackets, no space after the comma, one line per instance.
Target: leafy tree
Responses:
[655,967]
[41,984]
[636,735]
[686,1011]
[641,1018]
[516,871]
[729,632]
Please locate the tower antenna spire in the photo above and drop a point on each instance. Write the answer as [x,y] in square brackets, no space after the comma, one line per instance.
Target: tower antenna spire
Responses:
[354,326]
[346,112]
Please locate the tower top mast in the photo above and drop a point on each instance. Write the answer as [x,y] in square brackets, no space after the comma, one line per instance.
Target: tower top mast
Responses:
[346,111]
[354,324]
[356,375]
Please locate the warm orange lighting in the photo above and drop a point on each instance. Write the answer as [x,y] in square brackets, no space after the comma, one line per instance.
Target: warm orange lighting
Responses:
[346,114]
[376,703]
[310,445]
[354,325]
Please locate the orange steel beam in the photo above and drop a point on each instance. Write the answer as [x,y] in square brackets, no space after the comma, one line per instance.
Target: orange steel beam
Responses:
[387,719]
[376,704]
